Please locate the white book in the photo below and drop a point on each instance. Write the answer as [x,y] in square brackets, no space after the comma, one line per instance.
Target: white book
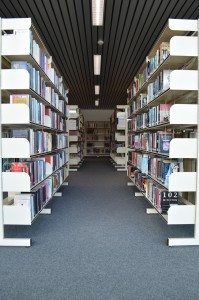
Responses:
[25,200]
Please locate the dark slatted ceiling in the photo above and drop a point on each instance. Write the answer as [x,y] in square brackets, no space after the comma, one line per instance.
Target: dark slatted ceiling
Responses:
[130,29]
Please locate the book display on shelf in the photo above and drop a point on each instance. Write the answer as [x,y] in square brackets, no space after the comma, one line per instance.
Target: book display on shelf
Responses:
[34,123]
[163,152]
[76,137]
[97,138]
[118,123]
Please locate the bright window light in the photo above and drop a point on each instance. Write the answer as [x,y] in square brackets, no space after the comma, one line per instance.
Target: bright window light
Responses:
[97,12]
[97,89]
[97,64]
[97,102]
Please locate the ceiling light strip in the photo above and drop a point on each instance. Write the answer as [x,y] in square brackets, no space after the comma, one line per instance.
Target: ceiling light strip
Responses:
[97,89]
[97,64]
[97,12]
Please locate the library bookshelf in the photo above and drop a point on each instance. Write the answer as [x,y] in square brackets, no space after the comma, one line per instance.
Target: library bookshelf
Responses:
[163,118]
[97,138]
[76,137]
[34,127]
[118,125]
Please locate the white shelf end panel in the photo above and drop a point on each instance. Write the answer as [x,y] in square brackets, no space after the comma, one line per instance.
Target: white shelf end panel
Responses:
[183,148]
[183,114]
[182,182]
[16,215]
[184,46]
[181,214]
[183,25]
[185,80]
[15,114]
[15,79]
[16,182]
[16,44]
[15,148]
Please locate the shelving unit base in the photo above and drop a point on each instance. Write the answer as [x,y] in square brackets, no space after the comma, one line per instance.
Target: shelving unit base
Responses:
[151,211]
[46,211]
[183,242]
[15,242]
[130,184]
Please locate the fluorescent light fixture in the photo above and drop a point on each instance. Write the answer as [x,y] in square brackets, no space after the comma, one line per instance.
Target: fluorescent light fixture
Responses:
[97,89]
[97,12]
[97,102]
[97,64]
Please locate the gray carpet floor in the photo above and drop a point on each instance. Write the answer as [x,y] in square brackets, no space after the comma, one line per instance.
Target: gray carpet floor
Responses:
[99,244]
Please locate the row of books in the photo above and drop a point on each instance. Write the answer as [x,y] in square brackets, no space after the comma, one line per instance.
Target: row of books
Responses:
[45,62]
[98,137]
[40,141]
[154,116]
[152,141]
[41,194]
[37,83]
[152,64]
[98,131]
[39,112]
[161,84]
[98,151]
[39,168]
[137,104]
[90,144]
[96,124]
[158,168]
[153,191]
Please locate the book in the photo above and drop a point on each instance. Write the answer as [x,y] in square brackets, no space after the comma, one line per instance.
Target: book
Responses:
[20,99]
[26,200]
[164,140]
[164,113]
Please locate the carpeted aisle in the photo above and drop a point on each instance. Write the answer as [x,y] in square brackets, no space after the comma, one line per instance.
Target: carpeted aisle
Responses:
[99,244]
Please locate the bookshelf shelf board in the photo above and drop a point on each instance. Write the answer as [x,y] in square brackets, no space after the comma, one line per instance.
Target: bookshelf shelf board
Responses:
[165,97]
[17,47]
[151,152]
[20,148]
[30,59]
[97,154]
[162,126]
[49,152]
[97,147]
[12,83]
[105,128]
[177,214]
[178,181]
[33,126]
[171,63]
[98,141]
[21,215]
[20,181]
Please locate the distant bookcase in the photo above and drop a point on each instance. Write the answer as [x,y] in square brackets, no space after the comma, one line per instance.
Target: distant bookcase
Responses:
[118,135]
[97,138]
[162,127]
[34,123]
[76,137]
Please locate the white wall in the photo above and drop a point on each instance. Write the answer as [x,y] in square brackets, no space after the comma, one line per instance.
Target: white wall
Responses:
[97,114]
